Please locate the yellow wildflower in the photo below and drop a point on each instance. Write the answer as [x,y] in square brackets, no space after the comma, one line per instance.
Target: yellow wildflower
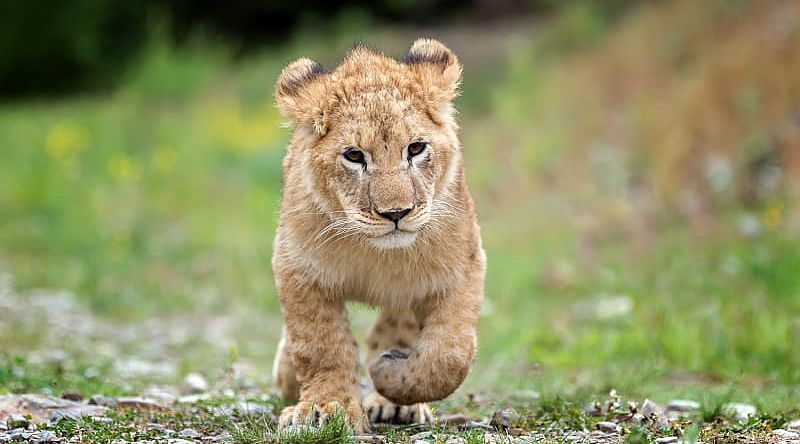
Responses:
[123,167]
[773,215]
[64,141]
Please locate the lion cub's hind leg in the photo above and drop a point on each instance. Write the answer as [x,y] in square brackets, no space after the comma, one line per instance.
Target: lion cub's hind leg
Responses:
[284,373]
[397,330]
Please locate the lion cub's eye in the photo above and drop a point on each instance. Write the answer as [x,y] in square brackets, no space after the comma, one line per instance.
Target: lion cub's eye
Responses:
[416,148]
[354,155]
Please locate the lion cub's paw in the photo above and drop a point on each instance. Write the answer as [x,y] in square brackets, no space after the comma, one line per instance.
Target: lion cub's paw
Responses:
[381,410]
[307,413]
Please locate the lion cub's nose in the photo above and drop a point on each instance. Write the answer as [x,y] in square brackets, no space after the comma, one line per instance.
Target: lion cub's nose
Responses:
[395,214]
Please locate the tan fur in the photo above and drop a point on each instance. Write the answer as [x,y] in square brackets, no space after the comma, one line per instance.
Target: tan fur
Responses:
[425,272]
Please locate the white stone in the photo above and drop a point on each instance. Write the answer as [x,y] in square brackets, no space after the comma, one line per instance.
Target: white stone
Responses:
[739,410]
[667,440]
[683,405]
[786,434]
[195,383]
[607,427]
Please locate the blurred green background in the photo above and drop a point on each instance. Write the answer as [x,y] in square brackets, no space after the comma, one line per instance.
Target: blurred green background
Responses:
[636,167]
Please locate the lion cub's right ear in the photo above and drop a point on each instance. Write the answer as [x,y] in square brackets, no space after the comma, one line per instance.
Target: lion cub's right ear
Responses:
[300,94]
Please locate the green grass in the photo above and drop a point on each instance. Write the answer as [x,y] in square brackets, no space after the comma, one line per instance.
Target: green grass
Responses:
[161,200]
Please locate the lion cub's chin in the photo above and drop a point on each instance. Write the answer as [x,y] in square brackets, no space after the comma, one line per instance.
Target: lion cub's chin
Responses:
[393,240]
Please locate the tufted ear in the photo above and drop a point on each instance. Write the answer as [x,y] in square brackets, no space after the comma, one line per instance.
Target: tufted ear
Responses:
[300,94]
[438,71]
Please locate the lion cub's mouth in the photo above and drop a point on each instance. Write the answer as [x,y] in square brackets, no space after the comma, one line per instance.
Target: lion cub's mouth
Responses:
[397,238]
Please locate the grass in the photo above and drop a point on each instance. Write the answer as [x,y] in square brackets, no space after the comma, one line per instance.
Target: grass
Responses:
[616,259]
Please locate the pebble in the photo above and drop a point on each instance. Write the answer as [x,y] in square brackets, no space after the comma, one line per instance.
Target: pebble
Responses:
[681,408]
[786,434]
[503,419]
[72,396]
[683,405]
[138,402]
[163,395]
[44,437]
[455,420]
[793,425]
[195,383]
[607,427]
[104,401]
[189,433]
[17,421]
[739,410]
[667,440]
[179,441]
[651,408]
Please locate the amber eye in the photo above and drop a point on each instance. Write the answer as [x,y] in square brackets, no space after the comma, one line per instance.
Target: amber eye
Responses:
[416,148]
[354,155]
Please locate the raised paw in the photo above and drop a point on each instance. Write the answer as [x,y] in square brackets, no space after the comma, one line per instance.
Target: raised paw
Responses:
[381,410]
[307,413]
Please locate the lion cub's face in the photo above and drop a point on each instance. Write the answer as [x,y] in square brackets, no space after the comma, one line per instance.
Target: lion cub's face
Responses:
[376,140]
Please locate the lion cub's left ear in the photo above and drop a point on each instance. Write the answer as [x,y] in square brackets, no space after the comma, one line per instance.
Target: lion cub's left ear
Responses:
[300,94]
[438,72]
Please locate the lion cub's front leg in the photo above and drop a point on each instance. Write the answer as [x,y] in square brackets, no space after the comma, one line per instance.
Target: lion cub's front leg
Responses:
[324,355]
[394,329]
[442,355]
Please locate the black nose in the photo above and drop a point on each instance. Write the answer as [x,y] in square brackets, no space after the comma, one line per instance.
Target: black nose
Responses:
[395,214]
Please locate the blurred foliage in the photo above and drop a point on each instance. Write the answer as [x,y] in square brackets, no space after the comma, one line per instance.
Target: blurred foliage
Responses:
[53,46]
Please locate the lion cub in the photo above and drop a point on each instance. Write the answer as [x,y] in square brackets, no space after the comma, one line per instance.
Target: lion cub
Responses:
[375,209]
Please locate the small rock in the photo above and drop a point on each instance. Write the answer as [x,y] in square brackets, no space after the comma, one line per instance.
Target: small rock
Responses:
[421,441]
[667,440]
[44,437]
[503,419]
[455,420]
[739,410]
[652,413]
[456,440]
[72,396]
[786,434]
[651,408]
[163,395]
[195,383]
[189,433]
[17,421]
[683,405]
[179,441]
[104,401]
[138,402]
[681,408]
[607,427]
[793,425]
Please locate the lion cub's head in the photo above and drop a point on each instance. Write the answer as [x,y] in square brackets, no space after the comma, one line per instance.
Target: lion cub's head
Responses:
[375,142]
